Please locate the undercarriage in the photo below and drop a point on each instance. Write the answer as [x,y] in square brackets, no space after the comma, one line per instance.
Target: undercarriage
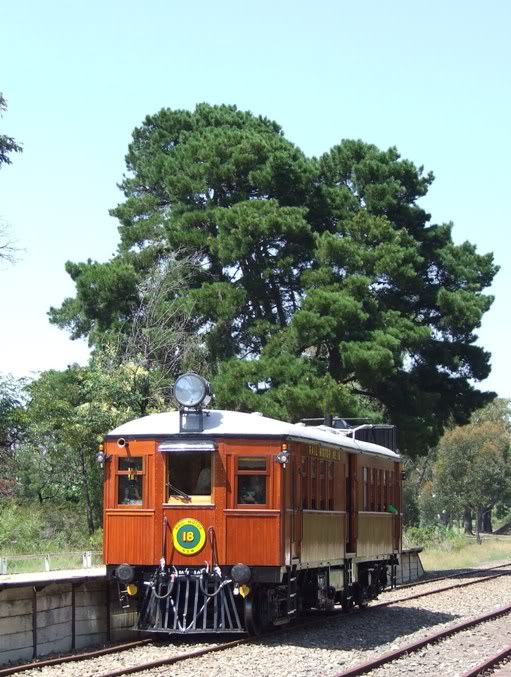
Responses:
[241,599]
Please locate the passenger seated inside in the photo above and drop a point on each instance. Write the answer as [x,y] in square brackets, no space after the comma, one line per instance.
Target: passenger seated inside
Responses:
[252,489]
[203,486]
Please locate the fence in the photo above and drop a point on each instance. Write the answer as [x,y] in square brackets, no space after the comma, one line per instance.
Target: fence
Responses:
[21,564]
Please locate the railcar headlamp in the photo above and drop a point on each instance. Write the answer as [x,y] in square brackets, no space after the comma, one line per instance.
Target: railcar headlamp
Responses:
[101,456]
[191,390]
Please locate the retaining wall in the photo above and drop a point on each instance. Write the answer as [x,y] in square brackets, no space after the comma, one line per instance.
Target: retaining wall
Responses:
[60,612]
[410,566]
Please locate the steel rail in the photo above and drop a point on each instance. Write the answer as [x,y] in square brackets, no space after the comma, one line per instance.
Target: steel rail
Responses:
[13,669]
[411,647]
[174,659]
[418,595]
[489,663]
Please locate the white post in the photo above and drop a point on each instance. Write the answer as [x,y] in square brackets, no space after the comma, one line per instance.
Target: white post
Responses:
[3,565]
[46,562]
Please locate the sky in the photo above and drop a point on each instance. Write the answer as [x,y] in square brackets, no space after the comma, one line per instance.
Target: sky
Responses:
[432,79]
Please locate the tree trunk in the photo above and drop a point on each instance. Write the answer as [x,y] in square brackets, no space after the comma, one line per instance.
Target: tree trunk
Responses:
[479,521]
[88,501]
[467,521]
[487,525]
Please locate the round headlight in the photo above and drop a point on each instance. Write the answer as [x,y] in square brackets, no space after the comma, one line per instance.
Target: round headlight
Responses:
[190,390]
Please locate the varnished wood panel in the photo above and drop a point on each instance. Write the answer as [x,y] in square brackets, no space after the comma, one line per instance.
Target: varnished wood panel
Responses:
[129,536]
[375,534]
[324,536]
[253,538]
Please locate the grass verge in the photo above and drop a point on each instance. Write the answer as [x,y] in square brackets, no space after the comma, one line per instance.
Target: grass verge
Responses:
[466,555]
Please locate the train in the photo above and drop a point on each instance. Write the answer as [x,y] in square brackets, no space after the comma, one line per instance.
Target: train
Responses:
[229,522]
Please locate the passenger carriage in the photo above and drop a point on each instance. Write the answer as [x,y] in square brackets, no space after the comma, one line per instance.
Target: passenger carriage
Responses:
[221,521]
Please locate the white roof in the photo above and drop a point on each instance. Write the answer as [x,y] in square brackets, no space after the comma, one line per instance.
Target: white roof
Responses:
[220,423]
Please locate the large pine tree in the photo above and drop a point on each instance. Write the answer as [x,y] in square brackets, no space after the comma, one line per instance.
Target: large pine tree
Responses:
[321,284]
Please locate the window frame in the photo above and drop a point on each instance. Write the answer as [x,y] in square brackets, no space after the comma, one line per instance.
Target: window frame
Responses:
[365,489]
[323,485]
[251,473]
[314,476]
[330,473]
[195,499]
[126,473]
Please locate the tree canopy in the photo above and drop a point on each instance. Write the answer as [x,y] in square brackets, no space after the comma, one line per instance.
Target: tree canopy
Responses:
[7,144]
[67,414]
[472,470]
[322,285]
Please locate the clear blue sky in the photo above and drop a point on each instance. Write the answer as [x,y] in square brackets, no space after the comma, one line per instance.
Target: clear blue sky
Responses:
[431,78]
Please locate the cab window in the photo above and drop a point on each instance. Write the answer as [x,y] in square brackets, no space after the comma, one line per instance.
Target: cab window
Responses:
[189,477]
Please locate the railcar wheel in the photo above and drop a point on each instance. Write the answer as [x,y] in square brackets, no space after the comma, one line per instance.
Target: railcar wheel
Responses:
[257,612]
[347,603]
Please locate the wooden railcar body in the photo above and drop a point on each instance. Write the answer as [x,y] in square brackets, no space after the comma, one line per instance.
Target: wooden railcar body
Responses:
[324,526]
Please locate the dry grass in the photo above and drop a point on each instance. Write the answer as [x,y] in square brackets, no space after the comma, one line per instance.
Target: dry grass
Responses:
[468,555]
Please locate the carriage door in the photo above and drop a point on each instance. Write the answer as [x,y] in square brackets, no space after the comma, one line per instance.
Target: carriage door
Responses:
[352,503]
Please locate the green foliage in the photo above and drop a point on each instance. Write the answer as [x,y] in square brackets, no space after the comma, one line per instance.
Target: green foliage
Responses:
[7,144]
[467,477]
[30,528]
[12,415]
[68,414]
[321,284]
[434,537]
[473,467]
[13,425]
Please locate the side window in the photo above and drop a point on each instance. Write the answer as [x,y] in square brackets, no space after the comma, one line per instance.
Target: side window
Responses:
[305,482]
[366,489]
[331,485]
[391,488]
[252,480]
[130,480]
[314,484]
[322,485]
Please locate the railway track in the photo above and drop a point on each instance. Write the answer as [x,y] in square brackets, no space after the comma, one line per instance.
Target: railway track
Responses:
[491,662]
[412,647]
[216,647]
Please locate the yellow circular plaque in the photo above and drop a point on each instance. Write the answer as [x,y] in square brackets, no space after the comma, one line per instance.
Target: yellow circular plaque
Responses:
[188,536]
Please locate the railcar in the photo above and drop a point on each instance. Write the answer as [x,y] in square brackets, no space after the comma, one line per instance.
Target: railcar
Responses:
[221,521]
